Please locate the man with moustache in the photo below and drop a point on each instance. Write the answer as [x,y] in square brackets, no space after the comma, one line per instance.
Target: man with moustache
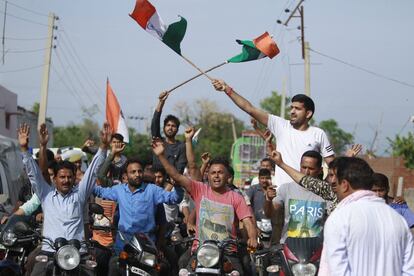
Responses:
[174,149]
[137,202]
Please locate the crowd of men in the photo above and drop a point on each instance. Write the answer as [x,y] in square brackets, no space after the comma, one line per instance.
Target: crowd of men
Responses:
[364,231]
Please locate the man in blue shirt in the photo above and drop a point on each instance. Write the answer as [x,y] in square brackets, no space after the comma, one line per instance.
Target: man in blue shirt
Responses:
[381,187]
[137,202]
[63,203]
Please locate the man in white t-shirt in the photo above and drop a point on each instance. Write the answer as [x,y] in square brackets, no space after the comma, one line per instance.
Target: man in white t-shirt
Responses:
[294,136]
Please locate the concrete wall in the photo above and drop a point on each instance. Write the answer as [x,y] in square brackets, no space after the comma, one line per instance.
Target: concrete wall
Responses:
[8,110]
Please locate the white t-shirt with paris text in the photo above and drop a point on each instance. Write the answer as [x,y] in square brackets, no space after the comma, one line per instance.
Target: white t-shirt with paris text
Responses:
[292,143]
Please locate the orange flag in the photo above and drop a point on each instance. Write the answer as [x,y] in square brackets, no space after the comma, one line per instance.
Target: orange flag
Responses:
[114,114]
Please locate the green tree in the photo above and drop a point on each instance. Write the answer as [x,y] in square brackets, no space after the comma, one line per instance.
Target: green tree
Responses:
[139,146]
[404,147]
[75,135]
[216,136]
[35,108]
[339,138]
[272,104]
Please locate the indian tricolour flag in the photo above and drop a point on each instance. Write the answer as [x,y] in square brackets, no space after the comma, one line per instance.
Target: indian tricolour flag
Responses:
[258,48]
[114,115]
[147,17]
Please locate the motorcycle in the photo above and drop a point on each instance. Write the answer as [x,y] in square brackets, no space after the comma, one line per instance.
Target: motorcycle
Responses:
[298,257]
[139,255]
[18,239]
[211,259]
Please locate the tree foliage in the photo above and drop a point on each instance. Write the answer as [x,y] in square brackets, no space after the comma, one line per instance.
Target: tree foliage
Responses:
[216,135]
[272,104]
[339,138]
[75,135]
[404,147]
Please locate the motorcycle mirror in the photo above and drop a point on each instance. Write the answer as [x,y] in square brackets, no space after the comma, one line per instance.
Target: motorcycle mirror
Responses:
[21,227]
[96,208]
[121,236]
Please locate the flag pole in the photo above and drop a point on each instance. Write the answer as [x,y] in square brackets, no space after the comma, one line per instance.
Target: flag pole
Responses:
[196,76]
[195,66]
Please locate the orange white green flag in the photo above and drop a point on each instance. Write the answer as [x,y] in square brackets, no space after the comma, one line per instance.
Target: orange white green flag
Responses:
[146,15]
[260,47]
[114,115]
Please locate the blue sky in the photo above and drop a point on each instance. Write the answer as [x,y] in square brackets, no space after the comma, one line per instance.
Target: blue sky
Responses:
[375,35]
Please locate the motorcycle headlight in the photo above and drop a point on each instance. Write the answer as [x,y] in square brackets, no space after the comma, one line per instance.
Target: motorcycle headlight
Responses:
[9,238]
[148,258]
[68,257]
[208,255]
[304,270]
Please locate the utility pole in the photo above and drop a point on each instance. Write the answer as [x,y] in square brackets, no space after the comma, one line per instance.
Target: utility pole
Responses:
[298,12]
[283,99]
[4,28]
[233,128]
[46,70]
[307,70]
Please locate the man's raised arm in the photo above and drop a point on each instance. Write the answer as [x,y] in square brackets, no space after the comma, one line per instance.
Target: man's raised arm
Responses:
[155,123]
[39,185]
[192,166]
[260,115]
[158,149]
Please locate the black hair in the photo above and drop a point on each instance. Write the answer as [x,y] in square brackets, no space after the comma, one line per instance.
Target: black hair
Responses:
[159,169]
[355,170]
[267,159]
[307,102]
[64,165]
[313,154]
[173,119]
[381,180]
[264,172]
[49,155]
[132,161]
[118,136]
[231,170]
[220,160]
[51,164]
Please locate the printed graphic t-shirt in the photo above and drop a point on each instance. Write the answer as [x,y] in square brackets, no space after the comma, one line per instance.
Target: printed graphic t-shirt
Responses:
[304,211]
[217,214]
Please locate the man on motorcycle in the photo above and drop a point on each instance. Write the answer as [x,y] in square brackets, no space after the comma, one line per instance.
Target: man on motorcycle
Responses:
[62,203]
[218,208]
[137,202]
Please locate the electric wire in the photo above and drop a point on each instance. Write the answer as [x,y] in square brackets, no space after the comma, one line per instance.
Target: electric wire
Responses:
[25,9]
[22,69]
[24,19]
[363,69]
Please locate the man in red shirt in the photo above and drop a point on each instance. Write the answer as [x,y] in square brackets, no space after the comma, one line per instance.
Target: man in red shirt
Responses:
[218,208]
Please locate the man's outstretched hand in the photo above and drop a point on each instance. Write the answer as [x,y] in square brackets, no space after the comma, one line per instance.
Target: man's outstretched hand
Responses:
[105,135]
[163,96]
[276,157]
[23,134]
[219,85]
[189,133]
[117,148]
[354,150]
[158,146]
[43,135]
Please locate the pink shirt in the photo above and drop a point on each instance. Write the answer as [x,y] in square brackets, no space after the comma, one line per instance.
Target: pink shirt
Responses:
[217,214]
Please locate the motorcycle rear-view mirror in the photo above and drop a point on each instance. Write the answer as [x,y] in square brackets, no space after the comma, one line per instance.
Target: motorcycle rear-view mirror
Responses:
[22,227]
[96,208]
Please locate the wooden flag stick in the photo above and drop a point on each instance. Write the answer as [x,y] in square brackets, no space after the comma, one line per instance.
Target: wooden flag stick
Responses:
[195,66]
[196,76]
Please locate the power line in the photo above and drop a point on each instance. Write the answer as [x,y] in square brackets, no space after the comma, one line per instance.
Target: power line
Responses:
[26,9]
[24,39]
[363,69]
[24,19]
[81,65]
[22,69]
[27,51]
[76,96]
